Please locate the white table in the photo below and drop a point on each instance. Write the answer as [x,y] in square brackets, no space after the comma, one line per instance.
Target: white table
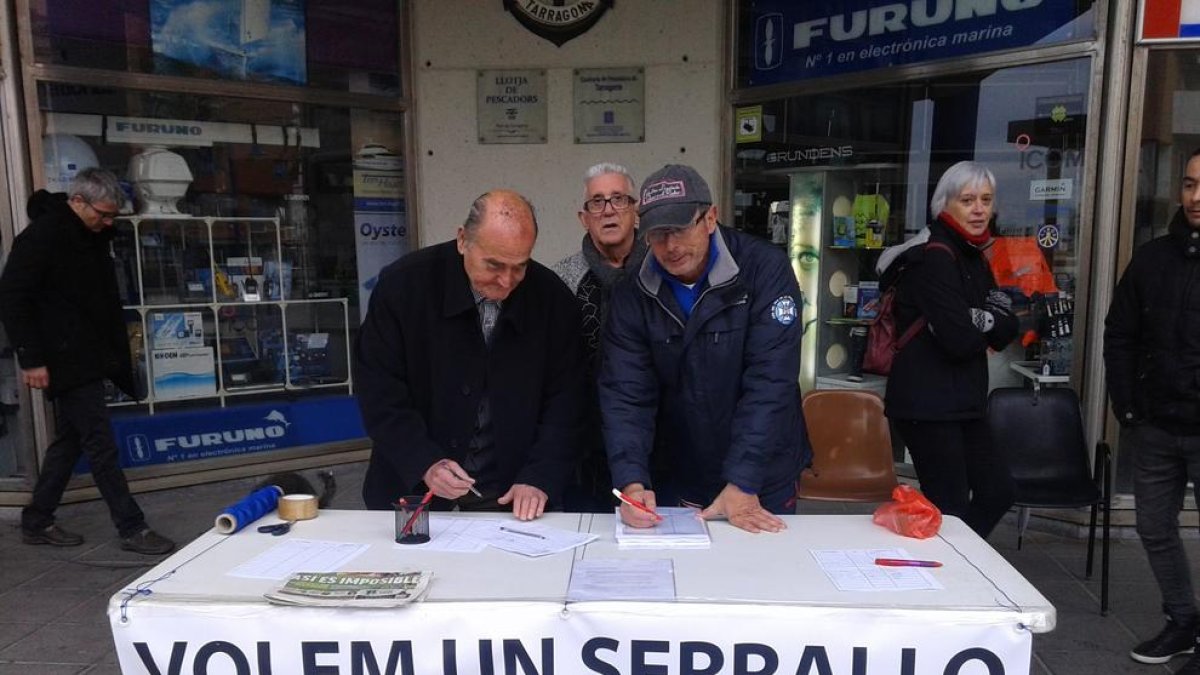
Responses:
[753,604]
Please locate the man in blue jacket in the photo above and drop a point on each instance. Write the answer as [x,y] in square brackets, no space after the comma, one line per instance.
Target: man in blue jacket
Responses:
[698,386]
[469,370]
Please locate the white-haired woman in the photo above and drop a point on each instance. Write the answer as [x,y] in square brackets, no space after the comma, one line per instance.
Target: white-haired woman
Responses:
[937,390]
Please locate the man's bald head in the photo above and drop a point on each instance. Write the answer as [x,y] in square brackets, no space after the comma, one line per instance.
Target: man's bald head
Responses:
[496,242]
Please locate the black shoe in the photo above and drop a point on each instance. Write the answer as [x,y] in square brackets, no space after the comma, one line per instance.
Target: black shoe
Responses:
[52,535]
[1192,667]
[1173,640]
[147,542]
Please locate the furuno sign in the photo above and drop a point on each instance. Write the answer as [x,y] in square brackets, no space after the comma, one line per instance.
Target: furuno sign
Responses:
[558,20]
[803,40]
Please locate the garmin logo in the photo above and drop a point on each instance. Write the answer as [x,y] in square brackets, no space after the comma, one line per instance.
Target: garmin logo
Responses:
[218,438]
[809,154]
[161,129]
[898,17]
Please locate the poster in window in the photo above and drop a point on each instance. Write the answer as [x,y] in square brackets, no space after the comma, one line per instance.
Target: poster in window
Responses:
[259,40]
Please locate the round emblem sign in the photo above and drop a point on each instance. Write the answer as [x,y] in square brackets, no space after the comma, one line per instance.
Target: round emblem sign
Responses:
[557,20]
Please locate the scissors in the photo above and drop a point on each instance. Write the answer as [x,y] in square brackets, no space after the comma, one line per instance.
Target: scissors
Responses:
[277,529]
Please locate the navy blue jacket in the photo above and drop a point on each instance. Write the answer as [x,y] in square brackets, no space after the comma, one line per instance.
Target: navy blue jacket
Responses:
[421,367]
[717,393]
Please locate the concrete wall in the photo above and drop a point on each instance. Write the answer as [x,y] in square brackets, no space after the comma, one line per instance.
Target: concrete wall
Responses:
[679,42]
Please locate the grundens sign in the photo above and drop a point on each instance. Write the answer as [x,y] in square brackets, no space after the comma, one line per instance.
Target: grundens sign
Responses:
[783,41]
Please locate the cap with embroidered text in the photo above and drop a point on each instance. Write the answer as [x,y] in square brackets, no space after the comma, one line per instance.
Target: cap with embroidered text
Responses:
[671,196]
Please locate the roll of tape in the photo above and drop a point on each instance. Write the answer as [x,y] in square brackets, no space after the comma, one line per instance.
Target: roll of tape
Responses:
[297,507]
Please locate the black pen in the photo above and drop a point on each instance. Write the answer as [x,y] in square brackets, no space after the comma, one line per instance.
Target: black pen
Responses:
[527,534]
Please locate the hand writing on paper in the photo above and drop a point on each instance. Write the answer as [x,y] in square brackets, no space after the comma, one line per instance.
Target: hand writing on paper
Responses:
[448,480]
[38,378]
[635,517]
[528,502]
[742,511]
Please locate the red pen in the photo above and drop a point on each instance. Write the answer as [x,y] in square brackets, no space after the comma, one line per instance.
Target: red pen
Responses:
[635,504]
[905,562]
[413,518]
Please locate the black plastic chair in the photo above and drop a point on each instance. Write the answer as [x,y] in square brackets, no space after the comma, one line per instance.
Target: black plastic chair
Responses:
[1042,433]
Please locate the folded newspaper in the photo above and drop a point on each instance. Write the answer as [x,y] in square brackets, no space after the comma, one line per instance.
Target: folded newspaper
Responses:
[351,589]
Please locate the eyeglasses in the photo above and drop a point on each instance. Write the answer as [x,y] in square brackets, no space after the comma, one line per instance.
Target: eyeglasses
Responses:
[660,235]
[619,203]
[104,215]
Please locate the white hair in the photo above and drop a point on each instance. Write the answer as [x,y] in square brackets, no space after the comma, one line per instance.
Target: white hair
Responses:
[956,178]
[604,168]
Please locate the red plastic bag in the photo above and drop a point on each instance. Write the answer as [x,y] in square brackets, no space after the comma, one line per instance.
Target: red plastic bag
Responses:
[909,513]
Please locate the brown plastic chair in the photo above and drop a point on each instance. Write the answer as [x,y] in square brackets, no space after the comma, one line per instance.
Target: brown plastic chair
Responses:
[852,448]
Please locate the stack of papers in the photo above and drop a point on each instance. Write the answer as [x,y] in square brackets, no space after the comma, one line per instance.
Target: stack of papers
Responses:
[680,527]
[471,535]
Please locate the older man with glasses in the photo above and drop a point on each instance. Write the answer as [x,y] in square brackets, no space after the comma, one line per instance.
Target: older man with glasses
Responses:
[62,312]
[700,364]
[609,249]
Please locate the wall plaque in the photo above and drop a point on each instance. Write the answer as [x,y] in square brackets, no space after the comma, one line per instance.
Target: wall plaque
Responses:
[511,106]
[610,105]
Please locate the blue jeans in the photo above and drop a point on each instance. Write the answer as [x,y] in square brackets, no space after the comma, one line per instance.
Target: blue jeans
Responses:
[1163,464]
[82,428]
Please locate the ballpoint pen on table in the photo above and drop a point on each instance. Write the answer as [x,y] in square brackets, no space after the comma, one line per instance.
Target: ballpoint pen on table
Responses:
[635,504]
[905,562]
[416,512]
[455,474]
[527,534]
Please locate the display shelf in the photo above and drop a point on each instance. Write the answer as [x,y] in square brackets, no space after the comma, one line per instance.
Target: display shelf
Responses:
[215,316]
[850,214]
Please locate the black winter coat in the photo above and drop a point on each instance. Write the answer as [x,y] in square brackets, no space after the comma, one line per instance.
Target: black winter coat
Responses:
[59,299]
[942,374]
[717,394]
[1152,334]
[421,366]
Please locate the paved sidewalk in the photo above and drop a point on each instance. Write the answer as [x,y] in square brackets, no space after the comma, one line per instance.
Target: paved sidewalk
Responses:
[53,602]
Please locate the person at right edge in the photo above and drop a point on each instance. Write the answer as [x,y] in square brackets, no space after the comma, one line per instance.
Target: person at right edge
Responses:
[62,313]
[937,390]
[1152,365]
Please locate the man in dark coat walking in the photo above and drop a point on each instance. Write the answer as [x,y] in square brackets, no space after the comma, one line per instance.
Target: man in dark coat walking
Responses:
[469,370]
[62,312]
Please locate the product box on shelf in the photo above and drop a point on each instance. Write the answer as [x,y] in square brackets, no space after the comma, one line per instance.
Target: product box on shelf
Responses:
[172,330]
[868,299]
[183,373]
[246,277]
[310,357]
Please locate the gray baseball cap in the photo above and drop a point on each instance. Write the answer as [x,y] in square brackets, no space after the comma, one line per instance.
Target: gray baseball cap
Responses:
[671,196]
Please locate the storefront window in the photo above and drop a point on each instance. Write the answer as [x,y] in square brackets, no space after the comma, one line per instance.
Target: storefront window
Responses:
[860,165]
[318,43]
[1170,133]
[783,41]
[256,231]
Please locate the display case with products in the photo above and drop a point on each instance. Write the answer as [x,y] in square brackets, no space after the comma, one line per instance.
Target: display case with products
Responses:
[842,219]
[212,315]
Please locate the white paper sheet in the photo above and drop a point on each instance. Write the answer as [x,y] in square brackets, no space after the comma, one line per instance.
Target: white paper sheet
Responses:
[612,579]
[298,555]
[451,533]
[854,569]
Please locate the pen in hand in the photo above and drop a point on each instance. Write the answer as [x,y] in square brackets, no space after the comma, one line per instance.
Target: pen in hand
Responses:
[635,504]
[455,474]
[905,562]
